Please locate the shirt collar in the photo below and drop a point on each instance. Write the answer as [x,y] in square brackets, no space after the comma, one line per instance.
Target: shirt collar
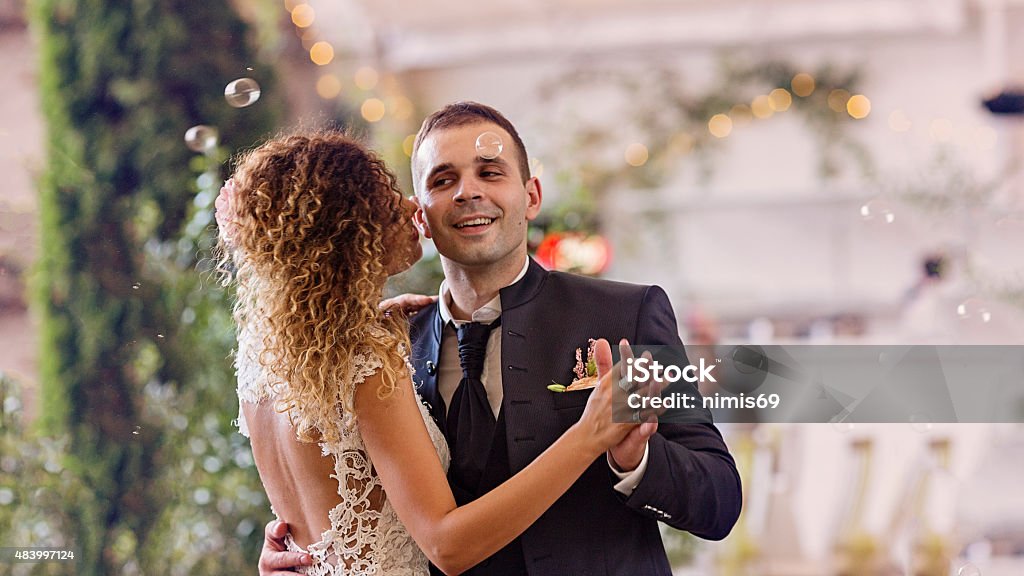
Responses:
[486,314]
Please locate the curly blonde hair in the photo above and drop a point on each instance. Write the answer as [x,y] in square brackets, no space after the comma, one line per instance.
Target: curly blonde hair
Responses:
[310,251]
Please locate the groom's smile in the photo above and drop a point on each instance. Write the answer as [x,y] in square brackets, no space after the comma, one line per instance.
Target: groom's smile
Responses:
[474,225]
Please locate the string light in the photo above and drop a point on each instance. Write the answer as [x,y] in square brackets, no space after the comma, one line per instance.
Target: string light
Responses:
[303,15]
[837,99]
[780,99]
[858,106]
[762,107]
[741,114]
[321,53]
[802,84]
[720,125]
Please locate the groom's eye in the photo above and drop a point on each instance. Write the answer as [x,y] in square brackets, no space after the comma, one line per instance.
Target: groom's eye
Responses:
[440,182]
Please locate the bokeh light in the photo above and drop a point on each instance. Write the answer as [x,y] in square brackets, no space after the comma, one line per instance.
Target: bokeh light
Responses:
[837,99]
[636,154]
[682,143]
[366,78]
[328,86]
[858,106]
[401,108]
[372,109]
[741,114]
[720,125]
[303,15]
[407,144]
[762,107]
[803,84]
[780,99]
[321,53]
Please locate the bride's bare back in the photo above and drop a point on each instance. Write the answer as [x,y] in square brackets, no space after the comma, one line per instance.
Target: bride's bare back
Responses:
[296,475]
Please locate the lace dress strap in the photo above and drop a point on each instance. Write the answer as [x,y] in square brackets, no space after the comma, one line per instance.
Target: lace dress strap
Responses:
[253,382]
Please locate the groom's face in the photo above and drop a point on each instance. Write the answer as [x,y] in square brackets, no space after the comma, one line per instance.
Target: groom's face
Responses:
[475,209]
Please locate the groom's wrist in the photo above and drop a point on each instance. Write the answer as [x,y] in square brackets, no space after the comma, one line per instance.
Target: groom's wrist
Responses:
[620,468]
[628,481]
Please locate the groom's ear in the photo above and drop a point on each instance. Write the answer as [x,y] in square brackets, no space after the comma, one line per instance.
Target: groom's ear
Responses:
[418,219]
[533,197]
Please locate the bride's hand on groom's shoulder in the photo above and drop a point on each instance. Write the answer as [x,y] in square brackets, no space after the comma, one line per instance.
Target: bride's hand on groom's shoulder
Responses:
[407,304]
[275,560]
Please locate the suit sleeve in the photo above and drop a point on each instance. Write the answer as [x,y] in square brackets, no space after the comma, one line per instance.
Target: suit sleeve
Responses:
[691,482]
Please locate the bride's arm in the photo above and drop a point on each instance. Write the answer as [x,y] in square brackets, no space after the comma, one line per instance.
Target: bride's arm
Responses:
[456,538]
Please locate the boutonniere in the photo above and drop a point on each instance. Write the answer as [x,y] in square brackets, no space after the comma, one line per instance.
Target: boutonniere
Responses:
[586,372]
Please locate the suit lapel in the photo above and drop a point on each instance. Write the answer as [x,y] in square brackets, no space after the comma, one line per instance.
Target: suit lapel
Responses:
[425,334]
[526,289]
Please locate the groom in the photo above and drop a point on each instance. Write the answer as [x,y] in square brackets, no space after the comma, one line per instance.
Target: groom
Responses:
[476,208]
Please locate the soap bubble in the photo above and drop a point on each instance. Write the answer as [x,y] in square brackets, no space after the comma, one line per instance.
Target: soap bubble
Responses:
[877,210]
[974,310]
[489,145]
[201,138]
[839,423]
[968,570]
[242,92]
[921,422]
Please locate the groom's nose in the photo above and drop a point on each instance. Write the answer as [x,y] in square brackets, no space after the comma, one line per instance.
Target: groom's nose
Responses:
[468,189]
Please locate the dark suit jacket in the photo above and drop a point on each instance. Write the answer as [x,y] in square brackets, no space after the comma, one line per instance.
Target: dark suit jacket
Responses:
[691,482]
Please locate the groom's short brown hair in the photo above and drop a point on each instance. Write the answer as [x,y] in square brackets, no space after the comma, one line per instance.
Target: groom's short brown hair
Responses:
[466,112]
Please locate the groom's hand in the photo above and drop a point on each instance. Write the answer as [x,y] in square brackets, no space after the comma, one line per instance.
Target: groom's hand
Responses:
[275,560]
[627,455]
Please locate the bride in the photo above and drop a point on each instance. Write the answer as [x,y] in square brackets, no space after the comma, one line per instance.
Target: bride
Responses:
[312,225]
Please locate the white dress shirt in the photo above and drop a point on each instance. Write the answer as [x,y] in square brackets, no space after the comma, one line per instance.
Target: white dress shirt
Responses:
[449,372]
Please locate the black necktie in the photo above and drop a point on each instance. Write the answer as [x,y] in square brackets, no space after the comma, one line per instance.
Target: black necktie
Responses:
[470,419]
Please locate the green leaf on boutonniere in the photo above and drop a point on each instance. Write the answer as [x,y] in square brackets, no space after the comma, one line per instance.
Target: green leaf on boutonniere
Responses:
[556,387]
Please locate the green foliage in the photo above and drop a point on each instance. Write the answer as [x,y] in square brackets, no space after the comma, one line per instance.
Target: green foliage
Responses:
[136,384]
[32,471]
[659,109]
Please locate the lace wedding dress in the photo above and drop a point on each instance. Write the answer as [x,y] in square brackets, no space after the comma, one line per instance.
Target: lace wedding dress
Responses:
[366,537]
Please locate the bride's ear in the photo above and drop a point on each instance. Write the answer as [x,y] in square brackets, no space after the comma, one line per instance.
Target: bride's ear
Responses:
[418,219]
